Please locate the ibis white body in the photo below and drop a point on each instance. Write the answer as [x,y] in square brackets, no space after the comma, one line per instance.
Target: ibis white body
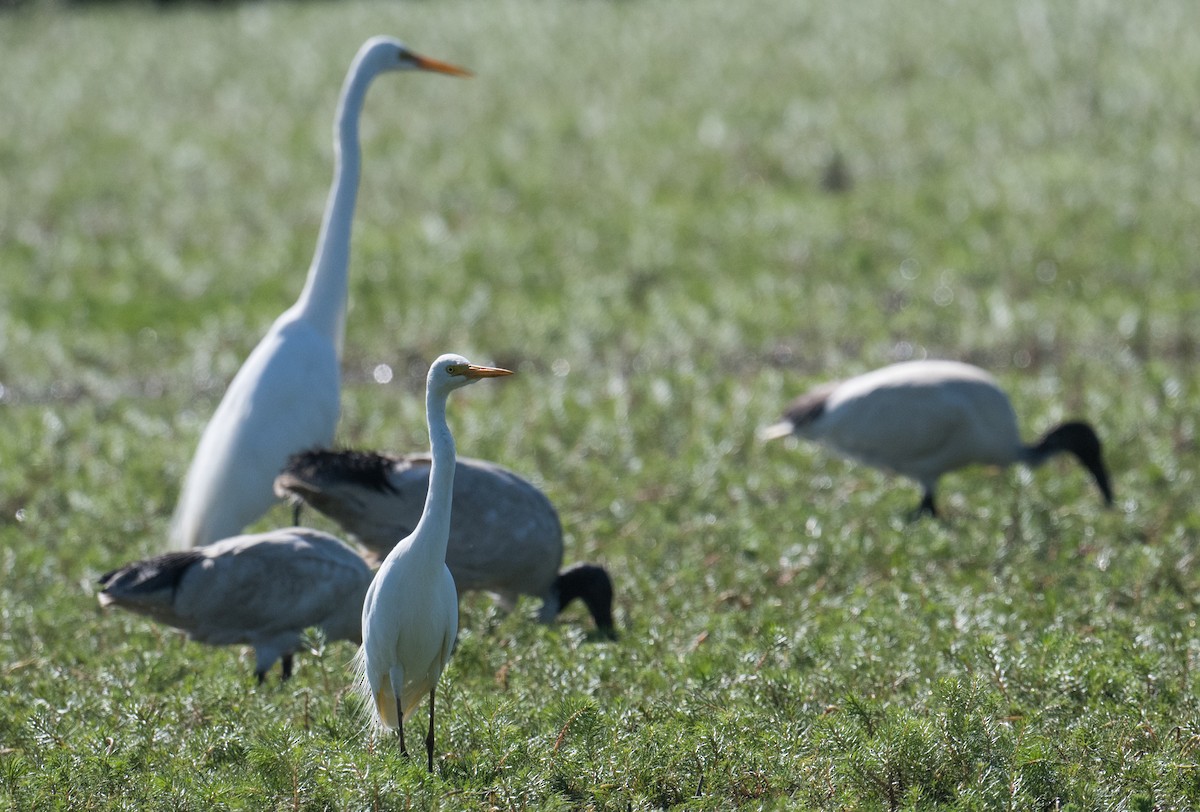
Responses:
[505,535]
[286,396]
[261,590]
[922,419]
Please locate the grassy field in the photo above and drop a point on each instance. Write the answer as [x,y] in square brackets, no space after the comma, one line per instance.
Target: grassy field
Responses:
[670,217]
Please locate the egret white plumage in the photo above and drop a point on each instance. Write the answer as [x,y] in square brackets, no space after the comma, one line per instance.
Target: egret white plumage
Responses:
[410,616]
[922,419]
[261,590]
[286,396]
[505,535]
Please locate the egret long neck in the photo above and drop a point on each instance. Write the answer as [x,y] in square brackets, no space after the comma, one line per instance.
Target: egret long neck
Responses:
[323,300]
[433,530]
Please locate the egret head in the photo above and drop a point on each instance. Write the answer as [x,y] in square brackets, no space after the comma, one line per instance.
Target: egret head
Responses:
[450,372]
[388,53]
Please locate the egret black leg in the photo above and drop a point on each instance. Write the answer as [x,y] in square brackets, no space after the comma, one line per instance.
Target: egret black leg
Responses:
[429,738]
[296,508]
[286,666]
[400,727]
[262,676]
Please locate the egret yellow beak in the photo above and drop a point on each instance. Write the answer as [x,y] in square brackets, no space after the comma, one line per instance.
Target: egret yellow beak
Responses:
[437,66]
[474,371]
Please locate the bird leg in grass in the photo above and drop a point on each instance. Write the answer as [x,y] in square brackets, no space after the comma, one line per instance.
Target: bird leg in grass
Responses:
[400,726]
[926,508]
[297,506]
[429,738]
[285,664]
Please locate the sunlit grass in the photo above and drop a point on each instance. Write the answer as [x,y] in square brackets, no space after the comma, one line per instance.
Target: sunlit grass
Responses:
[670,217]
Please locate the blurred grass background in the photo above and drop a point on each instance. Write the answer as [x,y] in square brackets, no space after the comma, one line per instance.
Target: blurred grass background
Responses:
[670,217]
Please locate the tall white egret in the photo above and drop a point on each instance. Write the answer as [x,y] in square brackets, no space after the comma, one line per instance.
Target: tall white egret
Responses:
[286,396]
[922,419]
[505,535]
[261,590]
[410,616]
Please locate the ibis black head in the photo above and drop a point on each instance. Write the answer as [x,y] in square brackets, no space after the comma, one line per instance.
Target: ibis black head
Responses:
[1079,439]
[591,584]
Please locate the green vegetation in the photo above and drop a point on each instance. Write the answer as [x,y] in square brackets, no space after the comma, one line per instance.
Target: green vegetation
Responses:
[670,216]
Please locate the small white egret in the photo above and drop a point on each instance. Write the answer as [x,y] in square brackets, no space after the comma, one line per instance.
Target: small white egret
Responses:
[410,616]
[922,419]
[505,535]
[286,396]
[261,590]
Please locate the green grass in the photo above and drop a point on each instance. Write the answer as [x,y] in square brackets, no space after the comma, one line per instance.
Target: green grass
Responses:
[626,204]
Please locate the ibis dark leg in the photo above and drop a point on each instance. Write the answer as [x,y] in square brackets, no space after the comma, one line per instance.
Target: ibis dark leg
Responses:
[429,738]
[926,508]
[286,665]
[296,508]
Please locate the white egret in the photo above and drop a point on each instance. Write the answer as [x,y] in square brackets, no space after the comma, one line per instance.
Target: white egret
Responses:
[505,535]
[286,396]
[261,590]
[410,616]
[922,419]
